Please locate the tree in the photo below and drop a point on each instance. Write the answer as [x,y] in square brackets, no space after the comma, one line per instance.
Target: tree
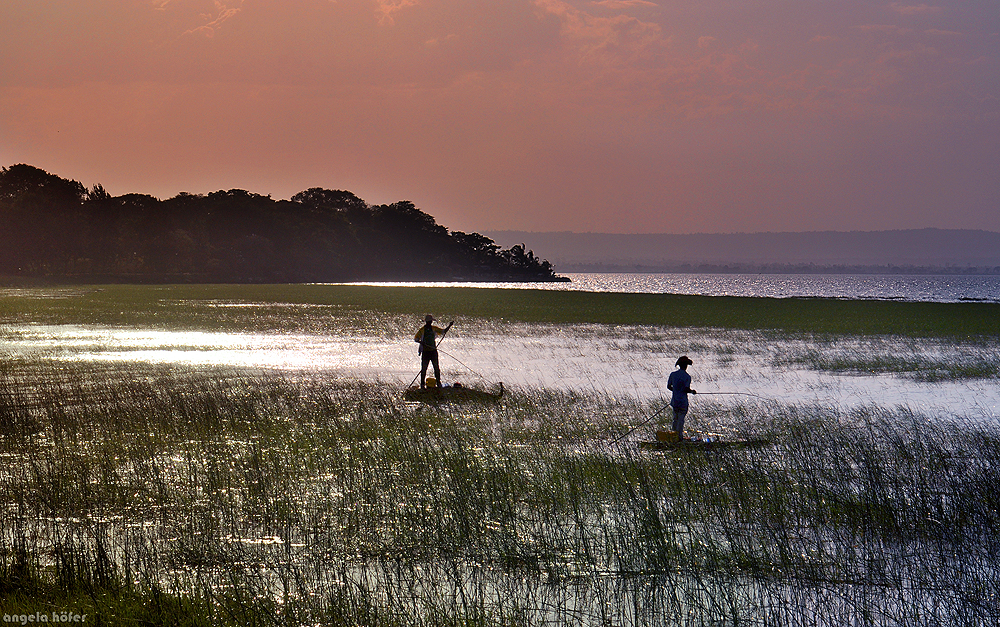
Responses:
[53,226]
[330,200]
[97,193]
[478,245]
[22,180]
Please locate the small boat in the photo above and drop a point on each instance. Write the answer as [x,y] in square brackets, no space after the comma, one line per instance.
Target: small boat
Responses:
[456,393]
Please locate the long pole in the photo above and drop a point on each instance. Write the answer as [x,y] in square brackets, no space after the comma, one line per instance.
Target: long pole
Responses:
[740,393]
[660,410]
[629,432]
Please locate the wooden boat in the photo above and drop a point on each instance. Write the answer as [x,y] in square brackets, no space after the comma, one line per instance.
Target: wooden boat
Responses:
[452,394]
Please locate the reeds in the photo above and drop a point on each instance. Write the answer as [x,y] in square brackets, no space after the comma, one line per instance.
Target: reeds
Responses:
[208,306]
[249,498]
[926,361]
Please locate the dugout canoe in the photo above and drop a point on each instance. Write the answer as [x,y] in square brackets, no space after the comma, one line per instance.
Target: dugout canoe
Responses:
[455,394]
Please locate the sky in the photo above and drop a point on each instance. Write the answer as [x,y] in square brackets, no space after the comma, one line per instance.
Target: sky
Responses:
[616,116]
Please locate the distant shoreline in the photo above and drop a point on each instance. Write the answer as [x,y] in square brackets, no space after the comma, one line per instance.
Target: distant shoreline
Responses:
[915,251]
[579,268]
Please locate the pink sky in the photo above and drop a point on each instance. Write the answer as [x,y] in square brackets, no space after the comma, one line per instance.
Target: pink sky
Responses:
[628,116]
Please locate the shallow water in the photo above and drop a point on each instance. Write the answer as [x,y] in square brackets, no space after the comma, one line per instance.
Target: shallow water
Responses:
[622,361]
[196,477]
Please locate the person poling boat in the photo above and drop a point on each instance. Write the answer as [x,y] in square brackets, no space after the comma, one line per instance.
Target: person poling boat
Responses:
[426,337]
[679,383]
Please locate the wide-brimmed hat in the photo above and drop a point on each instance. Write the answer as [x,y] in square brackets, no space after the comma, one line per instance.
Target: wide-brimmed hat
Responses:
[428,318]
[684,360]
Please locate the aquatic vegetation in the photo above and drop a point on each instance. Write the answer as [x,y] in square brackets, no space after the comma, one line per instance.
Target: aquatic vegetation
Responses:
[259,497]
[923,361]
[160,466]
[171,305]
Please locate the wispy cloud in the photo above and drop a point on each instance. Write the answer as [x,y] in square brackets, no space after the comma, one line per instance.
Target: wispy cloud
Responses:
[207,14]
[224,12]
[883,28]
[623,4]
[913,9]
[518,106]
[605,40]
[387,9]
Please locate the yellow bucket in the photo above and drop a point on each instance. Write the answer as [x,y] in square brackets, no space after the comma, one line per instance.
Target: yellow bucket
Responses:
[667,436]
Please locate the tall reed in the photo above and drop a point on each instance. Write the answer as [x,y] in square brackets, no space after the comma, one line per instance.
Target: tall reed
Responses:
[253,498]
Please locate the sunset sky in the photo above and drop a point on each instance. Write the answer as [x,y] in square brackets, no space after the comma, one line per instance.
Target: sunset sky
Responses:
[626,116]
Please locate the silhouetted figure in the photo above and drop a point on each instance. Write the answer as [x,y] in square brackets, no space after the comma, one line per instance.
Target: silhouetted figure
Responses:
[426,337]
[679,383]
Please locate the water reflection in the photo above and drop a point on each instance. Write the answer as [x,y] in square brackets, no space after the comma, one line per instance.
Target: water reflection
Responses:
[195,348]
[627,362]
[930,288]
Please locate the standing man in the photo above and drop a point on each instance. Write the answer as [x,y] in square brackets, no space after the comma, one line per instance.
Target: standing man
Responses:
[426,337]
[679,383]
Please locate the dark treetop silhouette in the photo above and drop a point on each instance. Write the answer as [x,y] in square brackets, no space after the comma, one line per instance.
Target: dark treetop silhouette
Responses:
[58,229]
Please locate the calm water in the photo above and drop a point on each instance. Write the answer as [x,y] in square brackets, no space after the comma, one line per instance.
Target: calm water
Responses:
[628,361]
[934,288]
[622,361]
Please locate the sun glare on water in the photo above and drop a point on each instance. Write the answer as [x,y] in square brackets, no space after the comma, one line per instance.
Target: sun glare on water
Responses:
[622,362]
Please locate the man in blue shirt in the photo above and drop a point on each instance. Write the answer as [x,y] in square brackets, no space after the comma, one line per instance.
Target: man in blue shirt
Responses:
[679,383]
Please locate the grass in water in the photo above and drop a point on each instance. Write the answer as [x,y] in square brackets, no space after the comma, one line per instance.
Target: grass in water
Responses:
[163,496]
[928,362]
[138,493]
[161,305]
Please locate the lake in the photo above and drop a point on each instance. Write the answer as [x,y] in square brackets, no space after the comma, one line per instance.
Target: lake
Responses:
[904,287]
[628,361]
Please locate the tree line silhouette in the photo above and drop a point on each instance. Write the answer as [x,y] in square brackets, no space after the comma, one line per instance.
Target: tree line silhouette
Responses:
[58,228]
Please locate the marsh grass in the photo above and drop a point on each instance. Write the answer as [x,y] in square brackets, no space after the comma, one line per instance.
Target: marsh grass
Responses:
[251,498]
[981,364]
[154,494]
[173,305]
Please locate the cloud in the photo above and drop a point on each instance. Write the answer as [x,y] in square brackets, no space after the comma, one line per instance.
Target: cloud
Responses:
[888,29]
[606,41]
[623,4]
[918,9]
[438,41]
[386,9]
[642,56]
[223,11]
[522,104]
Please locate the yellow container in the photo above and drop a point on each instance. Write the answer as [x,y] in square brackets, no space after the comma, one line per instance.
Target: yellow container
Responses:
[667,436]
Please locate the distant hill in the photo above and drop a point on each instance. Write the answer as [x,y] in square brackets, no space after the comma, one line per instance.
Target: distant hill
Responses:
[918,251]
[55,229]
